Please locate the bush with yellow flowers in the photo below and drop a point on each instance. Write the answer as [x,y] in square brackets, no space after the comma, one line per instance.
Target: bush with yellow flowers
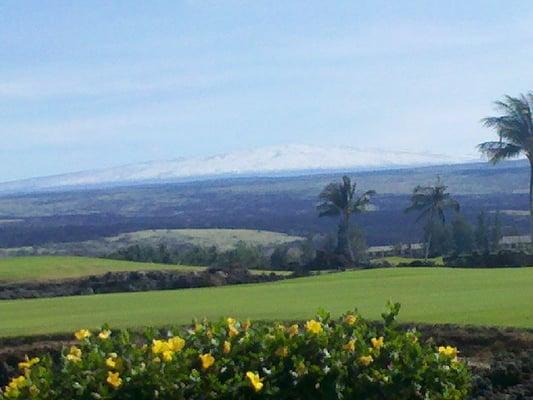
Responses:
[323,358]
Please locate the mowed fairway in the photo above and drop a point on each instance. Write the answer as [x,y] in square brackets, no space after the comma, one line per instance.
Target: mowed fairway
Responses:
[20,269]
[501,297]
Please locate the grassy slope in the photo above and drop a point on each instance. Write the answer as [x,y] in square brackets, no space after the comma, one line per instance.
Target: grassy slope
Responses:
[433,295]
[42,268]
[223,239]
[51,267]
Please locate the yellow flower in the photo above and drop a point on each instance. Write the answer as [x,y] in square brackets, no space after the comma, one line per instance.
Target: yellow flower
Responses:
[350,319]
[232,331]
[176,344]
[448,351]
[74,355]
[114,379]
[293,330]
[226,348]
[18,382]
[159,346]
[167,355]
[104,335]
[12,390]
[313,327]
[207,360]
[231,321]
[28,363]
[350,346]
[246,325]
[82,334]
[11,393]
[255,381]
[282,352]
[377,343]
[366,360]
[281,327]
[112,361]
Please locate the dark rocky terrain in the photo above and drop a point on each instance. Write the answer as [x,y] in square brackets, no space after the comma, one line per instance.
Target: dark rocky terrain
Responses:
[133,281]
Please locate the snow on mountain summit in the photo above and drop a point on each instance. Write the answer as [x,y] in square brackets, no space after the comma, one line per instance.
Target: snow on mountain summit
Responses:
[262,161]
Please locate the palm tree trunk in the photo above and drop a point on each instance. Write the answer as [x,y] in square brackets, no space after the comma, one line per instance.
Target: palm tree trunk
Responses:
[429,233]
[428,245]
[343,242]
[531,201]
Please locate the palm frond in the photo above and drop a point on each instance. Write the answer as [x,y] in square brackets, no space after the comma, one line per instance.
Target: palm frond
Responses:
[360,204]
[514,128]
[339,198]
[431,201]
[327,210]
[498,151]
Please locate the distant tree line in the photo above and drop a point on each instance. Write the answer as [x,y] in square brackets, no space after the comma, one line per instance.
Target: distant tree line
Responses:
[290,256]
[434,204]
[462,237]
[243,254]
[445,230]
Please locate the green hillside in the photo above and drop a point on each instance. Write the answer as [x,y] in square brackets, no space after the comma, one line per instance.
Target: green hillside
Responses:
[500,297]
[223,239]
[50,267]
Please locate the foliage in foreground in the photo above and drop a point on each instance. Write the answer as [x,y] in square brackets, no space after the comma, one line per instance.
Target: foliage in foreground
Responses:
[324,358]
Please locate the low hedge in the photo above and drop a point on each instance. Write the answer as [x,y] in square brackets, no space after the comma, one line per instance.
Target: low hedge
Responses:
[324,358]
[501,259]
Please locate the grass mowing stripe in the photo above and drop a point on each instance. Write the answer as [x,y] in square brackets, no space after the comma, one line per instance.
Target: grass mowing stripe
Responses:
[499,297]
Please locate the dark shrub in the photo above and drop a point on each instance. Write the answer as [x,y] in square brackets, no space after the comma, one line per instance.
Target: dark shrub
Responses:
[504,258]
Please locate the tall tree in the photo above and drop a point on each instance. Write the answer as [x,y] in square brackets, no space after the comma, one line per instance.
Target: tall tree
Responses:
[463,235]
[515,131]
[496,232]
[482,235]
[340,199]
[431,202]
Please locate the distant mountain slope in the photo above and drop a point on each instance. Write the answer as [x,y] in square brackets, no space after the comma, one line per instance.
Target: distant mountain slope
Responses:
[282,204]
[278,160]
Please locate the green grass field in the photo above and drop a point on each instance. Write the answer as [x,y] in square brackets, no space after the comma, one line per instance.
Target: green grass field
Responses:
[43,268]
[20,269]
[500,297]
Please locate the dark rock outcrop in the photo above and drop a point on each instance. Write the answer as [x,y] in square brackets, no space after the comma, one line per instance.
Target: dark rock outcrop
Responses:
[134,281]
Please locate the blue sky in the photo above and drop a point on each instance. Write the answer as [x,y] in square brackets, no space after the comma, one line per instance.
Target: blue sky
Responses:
[89,84]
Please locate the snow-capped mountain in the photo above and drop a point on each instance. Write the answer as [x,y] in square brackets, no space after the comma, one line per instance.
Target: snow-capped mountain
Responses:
[276,160]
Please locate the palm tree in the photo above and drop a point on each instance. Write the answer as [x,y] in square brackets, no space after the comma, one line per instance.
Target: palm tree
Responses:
[340,199]
[431,202]
[515,130]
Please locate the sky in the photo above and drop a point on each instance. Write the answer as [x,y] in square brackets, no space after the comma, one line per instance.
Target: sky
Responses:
[94,84]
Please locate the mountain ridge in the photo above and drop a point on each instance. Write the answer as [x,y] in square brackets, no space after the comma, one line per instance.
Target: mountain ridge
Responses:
[266,161]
